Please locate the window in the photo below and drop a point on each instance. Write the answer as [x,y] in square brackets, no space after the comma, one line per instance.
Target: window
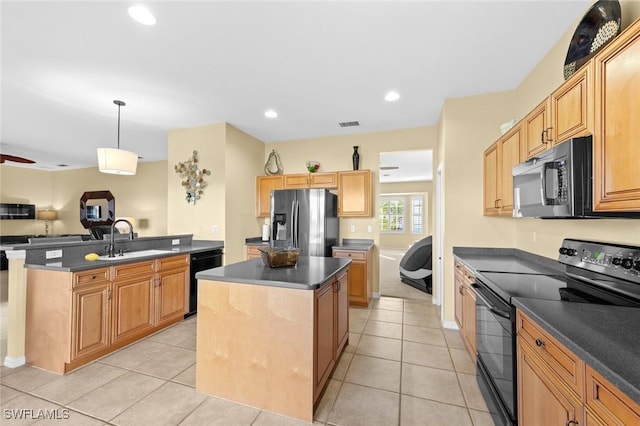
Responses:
[392,214]
[417,215]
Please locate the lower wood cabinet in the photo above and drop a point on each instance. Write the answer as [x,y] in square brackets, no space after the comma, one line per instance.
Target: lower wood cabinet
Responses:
[74,318]
[331,324]
[252,252]
[360,275]
[555,386]
[465,306]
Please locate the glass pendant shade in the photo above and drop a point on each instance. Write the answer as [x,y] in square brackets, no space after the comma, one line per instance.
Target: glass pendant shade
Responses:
[117,161]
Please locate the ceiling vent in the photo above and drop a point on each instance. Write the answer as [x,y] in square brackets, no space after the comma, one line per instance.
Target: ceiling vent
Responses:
[389,167]
[349,124]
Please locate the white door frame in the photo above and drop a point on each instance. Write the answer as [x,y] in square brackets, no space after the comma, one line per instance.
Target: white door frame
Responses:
[438,300]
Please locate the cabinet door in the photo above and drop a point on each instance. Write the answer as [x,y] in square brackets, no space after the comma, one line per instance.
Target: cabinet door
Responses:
[90,315]
[608,402]
[325,337]
[490,171]
[354,193]
[459,293]
[252,252]
[296,181]
[171,295]
[536,131]
[132,310]
[264,186]
[540,398]
[615,140]
[357,276]
[572,106]
[510,156]
[469,320]
[342,295]
[323,180]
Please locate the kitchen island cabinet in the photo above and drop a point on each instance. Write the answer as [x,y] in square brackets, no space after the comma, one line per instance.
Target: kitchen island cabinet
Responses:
[270,337]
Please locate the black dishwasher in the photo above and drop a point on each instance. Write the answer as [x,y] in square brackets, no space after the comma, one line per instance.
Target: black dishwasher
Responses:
[199,262]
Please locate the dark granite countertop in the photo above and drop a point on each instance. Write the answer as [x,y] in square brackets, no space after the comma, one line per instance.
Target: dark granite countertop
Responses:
[255,241]
[605,337]
[308,274]
[355,244]
[78,263]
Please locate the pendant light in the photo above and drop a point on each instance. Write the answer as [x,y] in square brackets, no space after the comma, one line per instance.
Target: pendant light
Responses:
[117,161]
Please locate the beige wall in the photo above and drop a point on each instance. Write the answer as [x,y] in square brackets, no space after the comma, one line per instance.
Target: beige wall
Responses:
[226,210]
[138,196]
[467,127]
[334,154]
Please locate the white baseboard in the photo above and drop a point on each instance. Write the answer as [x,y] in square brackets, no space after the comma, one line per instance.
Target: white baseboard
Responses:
[14,362]
[450,325]
[375,295]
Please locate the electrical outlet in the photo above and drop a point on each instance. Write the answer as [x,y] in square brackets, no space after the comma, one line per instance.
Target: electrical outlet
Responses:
[353,228]
[175,242]
[214,229]
[369,229]
[53,254]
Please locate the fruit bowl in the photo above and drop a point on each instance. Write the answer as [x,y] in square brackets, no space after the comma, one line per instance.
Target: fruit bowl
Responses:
[275,257]
[313,166]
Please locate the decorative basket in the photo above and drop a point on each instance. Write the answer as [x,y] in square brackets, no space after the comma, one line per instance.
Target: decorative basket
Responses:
[275,257]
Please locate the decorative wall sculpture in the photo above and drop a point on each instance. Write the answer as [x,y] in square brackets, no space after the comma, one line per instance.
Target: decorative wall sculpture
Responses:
[193,182]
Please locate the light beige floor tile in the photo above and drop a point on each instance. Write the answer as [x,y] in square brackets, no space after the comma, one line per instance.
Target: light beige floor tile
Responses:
[426,355]
[5,371]
[429,336]
[214,411]
[109,400]
[453,338]
[71,418]
[462,361]
[7,394]
[431,383]
[387,373]
[182,334]
[266,418]
[156,359]
[356,325]
[356,312]
[386,315]
[187,377]
[168,405]
[472,392]
[354,339]
[380,347]
[343,365]
[25,409]
[419,307]
[481,418]
[388,303]
[382,407]
[421,412]
[327,399]
[28,378]
[421,320]
[383,329]
[72,386]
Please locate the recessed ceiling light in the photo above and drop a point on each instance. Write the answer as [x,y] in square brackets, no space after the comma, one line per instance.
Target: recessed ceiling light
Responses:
[392,96]
[142,15]
[270,113]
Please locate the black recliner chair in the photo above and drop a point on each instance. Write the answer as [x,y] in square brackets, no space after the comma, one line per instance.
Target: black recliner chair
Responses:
[415,265]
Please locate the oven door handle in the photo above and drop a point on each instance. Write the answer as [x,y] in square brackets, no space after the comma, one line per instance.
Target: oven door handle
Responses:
[484,301]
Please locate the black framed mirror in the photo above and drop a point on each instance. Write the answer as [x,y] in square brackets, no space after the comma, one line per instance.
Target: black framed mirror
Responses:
[97,208]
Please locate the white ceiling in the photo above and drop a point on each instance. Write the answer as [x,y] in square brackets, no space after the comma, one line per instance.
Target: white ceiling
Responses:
[315,63]
[406,166]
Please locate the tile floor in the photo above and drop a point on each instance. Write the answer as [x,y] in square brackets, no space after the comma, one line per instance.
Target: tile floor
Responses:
[400,368]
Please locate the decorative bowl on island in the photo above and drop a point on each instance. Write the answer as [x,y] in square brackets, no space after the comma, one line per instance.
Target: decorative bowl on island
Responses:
[276,257]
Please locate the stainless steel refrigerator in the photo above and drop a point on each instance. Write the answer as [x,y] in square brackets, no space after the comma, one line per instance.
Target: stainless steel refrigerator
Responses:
[306,219]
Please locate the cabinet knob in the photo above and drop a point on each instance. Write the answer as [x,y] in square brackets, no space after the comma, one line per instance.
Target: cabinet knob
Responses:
[539,342]
[93,277]
[571,422]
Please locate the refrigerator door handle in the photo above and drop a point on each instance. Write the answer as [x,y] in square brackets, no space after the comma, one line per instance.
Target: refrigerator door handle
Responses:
[297,225]
[293,223]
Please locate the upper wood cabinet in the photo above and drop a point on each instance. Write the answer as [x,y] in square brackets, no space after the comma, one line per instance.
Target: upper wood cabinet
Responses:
[354,193]
[311,180]
[536,125]
[616,149]
[264,186]
[499,160]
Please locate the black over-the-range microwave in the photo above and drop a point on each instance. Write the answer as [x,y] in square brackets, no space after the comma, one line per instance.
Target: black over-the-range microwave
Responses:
[558,184]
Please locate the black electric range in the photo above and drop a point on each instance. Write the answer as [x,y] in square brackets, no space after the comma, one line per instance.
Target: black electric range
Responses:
[597,273]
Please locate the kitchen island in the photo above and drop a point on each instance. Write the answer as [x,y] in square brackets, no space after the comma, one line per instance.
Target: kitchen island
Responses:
[270,337]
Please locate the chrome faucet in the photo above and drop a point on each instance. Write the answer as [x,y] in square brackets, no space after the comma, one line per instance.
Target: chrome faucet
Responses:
[111,247]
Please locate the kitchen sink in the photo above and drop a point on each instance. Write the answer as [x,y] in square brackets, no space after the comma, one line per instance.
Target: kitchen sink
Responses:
[134,254]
